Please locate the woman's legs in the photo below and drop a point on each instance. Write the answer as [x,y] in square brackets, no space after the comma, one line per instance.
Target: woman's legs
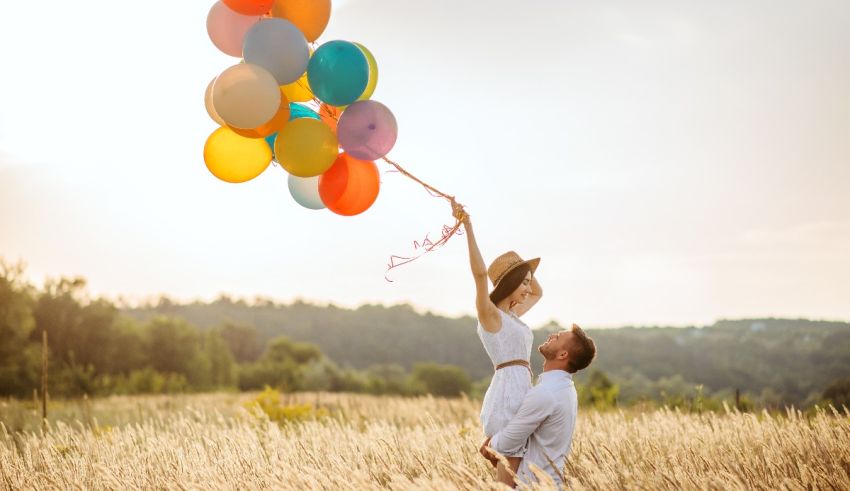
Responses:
[502,474]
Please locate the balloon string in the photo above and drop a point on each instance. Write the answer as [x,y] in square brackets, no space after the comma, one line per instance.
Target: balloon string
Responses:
[427,245]
[431,189]
[303,87]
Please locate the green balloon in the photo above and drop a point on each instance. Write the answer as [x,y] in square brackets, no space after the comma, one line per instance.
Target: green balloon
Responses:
[338,73]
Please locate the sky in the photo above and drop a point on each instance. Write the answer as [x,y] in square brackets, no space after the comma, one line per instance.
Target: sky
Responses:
[671,162]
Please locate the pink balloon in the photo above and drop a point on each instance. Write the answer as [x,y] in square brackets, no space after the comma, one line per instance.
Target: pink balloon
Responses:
[227,28]
[367,130]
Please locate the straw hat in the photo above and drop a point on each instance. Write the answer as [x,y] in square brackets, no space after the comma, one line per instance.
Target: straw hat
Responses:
[506,263]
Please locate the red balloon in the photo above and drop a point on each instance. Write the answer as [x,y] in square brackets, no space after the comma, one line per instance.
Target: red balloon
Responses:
[350,186]
[249,7]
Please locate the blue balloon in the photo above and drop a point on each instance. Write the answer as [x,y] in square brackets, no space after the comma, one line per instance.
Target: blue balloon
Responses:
[299,111]
[338,73]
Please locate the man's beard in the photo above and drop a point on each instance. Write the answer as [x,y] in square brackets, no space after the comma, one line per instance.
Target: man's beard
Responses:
[546,355]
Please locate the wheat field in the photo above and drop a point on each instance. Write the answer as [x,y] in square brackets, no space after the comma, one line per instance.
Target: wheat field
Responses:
[337,441]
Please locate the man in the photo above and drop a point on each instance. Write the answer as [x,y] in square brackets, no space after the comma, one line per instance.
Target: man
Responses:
[547,417]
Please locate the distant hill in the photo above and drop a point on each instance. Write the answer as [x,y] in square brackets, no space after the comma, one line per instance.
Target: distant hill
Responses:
[788,360]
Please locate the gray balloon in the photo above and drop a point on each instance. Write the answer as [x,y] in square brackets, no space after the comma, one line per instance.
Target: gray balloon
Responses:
[279,47]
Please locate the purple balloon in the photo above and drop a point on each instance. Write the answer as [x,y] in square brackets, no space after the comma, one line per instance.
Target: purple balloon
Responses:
[367,130]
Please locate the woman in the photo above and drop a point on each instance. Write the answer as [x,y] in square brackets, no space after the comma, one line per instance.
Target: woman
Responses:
[506,338]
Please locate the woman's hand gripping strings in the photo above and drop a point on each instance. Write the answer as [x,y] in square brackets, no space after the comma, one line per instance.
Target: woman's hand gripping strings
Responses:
[459,212]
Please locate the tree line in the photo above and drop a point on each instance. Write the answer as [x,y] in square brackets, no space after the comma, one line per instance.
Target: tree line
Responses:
[100,347]
[769,362]
[96,349]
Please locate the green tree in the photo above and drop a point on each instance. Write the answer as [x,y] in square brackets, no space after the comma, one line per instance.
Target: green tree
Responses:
[83,337]
[243,341]
[387,379]
[838,393]
[173,346]
[74,379]
[282,349]
[442,380]
[94,342]
[281,366]
[222,368]
[199,370]
[127,348]
[600,391]
[318,375]
[18,357]
[58,311]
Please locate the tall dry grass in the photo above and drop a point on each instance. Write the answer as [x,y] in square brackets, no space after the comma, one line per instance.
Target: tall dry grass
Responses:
[212,441]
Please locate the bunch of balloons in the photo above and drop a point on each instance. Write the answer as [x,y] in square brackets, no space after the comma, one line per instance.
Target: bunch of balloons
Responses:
[306,107]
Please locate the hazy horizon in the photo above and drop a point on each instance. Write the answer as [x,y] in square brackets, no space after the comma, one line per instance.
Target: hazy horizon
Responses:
[150,301]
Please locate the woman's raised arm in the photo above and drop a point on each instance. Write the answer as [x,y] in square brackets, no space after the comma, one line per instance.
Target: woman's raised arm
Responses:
[488,314]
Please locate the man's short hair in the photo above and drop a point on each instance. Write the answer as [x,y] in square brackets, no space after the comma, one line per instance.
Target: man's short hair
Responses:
[582,351]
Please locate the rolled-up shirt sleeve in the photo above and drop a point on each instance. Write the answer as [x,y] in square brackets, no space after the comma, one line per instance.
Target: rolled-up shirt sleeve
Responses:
[535,408]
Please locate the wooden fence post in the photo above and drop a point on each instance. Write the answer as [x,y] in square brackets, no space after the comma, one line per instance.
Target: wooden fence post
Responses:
[44,380]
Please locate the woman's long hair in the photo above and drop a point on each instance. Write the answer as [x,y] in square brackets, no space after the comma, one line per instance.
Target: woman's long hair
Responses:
[509,283]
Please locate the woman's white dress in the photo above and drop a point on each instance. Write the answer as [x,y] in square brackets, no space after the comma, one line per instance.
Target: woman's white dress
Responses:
[509,384]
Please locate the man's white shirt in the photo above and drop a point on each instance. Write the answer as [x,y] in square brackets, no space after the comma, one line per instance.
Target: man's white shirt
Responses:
[545,422]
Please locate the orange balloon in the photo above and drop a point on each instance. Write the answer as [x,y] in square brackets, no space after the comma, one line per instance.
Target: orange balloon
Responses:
[249,7]
[330,115]
[273,125]
[350,186]
[311,16]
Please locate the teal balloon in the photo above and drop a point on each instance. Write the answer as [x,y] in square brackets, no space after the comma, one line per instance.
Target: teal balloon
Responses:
[270,141]
[299,111]
[338,73]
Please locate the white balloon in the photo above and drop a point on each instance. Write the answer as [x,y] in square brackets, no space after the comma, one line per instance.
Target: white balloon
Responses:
[279,47]
[305,191]
[246,96]
[209,105]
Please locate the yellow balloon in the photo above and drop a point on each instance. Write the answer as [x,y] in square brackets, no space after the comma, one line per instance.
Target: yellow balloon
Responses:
[298,91]
[234,158]
[373,73]
[306,147]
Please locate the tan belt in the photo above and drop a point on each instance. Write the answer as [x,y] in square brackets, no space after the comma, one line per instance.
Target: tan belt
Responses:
[515,363]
